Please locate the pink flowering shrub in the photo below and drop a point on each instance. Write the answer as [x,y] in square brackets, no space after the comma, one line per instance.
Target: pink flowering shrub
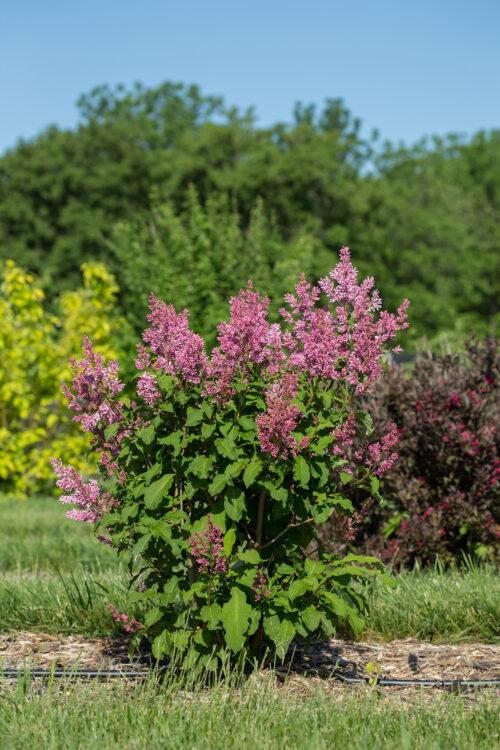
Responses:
[215,479]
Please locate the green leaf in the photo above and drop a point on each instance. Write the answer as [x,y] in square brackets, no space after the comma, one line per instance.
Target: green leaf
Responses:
[250,556]
[252,471]
[211,615]
[298,588]
[152,472]
[322,444]
[156,491]
[174,439]
[200,466]
[235,618]
[280,494]
[280,632]
[147,434]
[111,430]
[160,645]
[217,485]
[247,423]
[346,477]
[234,503]
[311,618]
[229,540]
[337,604]
[227,448]
[234,469]
[153,616]
[301,471]
[193,417]
[207,430]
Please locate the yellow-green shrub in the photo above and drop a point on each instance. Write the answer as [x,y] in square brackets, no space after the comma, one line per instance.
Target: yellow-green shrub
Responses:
[35,345]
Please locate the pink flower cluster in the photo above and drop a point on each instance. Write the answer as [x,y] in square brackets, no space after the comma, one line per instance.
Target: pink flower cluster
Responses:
[175,348]
[247,340]
[275,427]
[91,503]
[92,396]
[129,626]
[344,435]
[261,586]
[347,340]
[207,548]
[147,388]
[381,453]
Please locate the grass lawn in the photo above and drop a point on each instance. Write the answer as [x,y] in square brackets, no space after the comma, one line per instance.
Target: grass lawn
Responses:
[98,717]
[54,577]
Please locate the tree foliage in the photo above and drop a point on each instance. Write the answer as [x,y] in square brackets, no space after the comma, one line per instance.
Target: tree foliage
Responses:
[35,346]
[424,220]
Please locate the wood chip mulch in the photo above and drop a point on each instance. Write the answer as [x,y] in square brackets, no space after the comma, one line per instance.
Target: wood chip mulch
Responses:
[408,658]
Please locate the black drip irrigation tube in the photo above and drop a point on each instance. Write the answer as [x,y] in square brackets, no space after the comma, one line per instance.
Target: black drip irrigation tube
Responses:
[454,685]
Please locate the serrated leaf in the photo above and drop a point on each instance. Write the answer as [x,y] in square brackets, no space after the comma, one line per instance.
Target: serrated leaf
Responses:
[156,491]
[301,471]
[336,604]
[217,485]
[235,618]
[252,471]
[346,477]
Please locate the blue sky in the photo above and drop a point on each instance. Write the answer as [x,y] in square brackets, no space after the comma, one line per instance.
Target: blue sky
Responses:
[406,68]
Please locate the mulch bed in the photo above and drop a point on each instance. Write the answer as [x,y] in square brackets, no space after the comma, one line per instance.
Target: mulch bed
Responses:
[402,659]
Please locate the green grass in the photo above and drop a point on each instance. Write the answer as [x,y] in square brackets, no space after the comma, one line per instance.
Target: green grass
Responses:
[55,577]
[36,535]
[258,716]
[453,606]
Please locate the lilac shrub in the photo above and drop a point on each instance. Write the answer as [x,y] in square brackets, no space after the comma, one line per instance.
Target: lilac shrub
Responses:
[215,479]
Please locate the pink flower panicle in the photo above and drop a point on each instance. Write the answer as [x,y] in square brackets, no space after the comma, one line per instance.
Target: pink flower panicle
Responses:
[90,501]
[275,427]
[344,435]
[261,586]
[351,526]
[381,453]
[147,388]
[347,341]
[175,348]
[207,548]
[93,392]
[247,340]
[129,626]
